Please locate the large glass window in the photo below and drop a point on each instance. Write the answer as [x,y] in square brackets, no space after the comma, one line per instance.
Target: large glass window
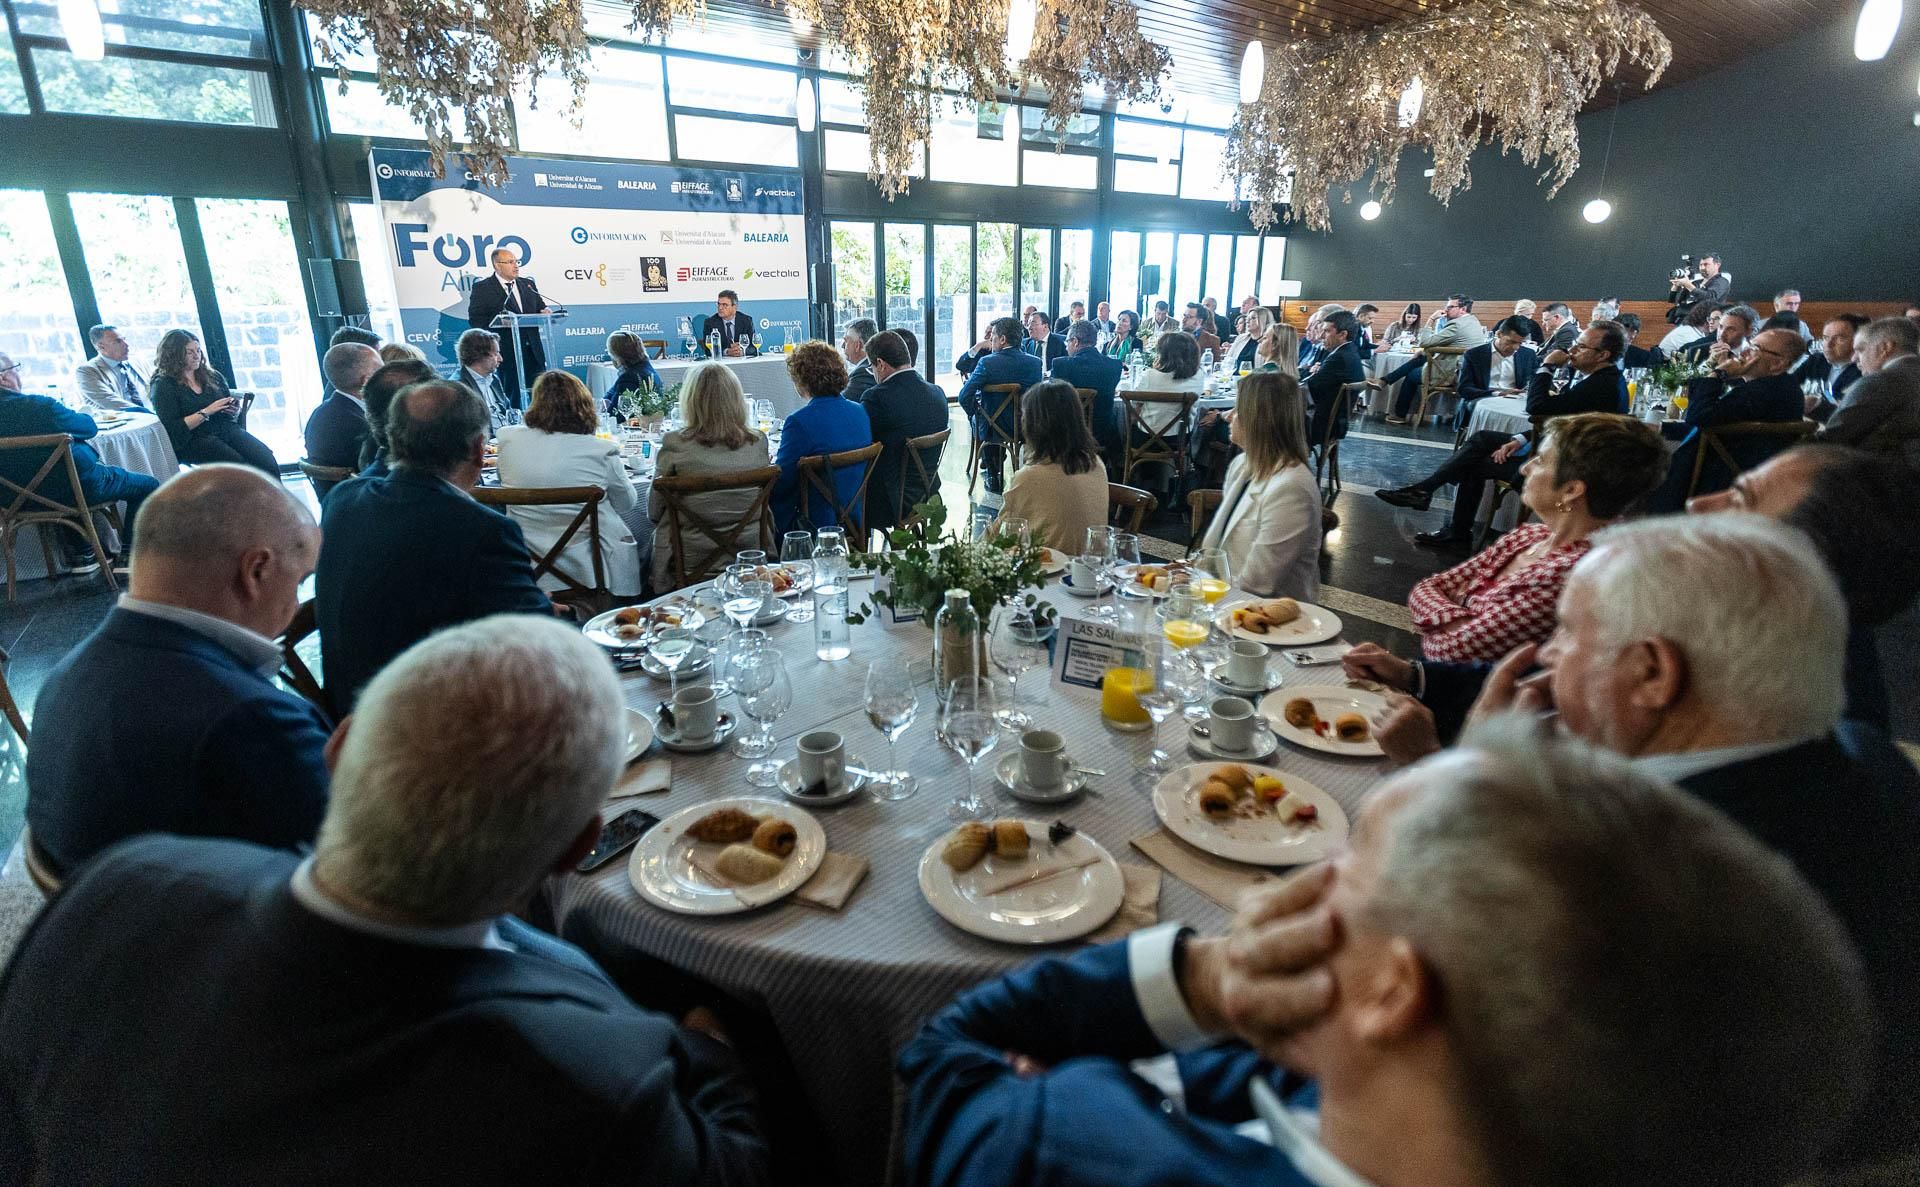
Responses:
[993,274]
[700,138]
[141,89]
[1147,157]
[13,90]
[1159,251]
[361,110]
[1124,271]
[1201,158]
[1186,273]
[952,308]
[1071,171]
[1076,267]
[1246,265]
[906,277]
[850,152]
[852,247]
[1036,268]
[263,308]
[137,265]
[722,86]
[974,145]
[1273,254]
[625,114]
[376,269]
[36,320]
[225,28]
[1220,272]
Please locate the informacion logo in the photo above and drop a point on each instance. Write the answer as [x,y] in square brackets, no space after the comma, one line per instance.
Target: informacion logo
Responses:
[580,235]
[385,171]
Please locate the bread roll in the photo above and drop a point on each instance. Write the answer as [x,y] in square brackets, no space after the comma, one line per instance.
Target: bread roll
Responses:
[746,865]
[775,836]
[727,825]
[1280,610]
[1010,839]
[967,846]
[1350,727]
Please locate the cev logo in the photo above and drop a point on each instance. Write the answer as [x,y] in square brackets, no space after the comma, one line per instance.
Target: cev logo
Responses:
[453,251]
[579,234]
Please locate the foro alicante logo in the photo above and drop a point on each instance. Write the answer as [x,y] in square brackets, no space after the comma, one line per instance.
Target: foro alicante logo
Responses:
[764,237]
[453,251]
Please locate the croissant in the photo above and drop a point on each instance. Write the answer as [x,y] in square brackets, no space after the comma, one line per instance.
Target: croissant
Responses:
[747,865]
[775,836]
[1281,611]
[1216,799]
[967,846]
[726,825]
[1350,727]
[1300,713]
[1010,839]
[1234,776]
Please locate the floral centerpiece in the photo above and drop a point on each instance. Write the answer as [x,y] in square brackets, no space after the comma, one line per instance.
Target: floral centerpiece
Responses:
[925,562]
[1671,376]
[649,403]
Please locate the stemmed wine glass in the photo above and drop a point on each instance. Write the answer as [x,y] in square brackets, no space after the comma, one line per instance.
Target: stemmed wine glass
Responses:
[967,728]
[1213,577]
[1017,643]
[746,595]
[796,555]
[761,684]
[1017,530]
[893,701]
[1097,554]
[673,646]
[1160,700]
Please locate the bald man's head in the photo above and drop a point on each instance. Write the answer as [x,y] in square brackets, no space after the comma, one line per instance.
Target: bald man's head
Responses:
[228,541]
[348,366]
[435,426]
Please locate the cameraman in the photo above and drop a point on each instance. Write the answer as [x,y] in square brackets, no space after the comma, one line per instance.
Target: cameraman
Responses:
[1685,292]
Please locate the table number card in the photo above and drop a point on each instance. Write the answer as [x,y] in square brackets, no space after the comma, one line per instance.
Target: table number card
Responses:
[889,616]
[1088,648]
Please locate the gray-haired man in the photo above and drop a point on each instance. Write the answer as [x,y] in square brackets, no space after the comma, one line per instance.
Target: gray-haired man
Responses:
[853,344]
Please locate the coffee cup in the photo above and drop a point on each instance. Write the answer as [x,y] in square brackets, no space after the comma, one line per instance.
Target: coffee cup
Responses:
[696,711]
[1231,721]
[1247,663]
[823,759]
[1043,759]
[1085,574]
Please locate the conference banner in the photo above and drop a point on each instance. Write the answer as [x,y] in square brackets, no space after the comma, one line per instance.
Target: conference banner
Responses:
[644,248]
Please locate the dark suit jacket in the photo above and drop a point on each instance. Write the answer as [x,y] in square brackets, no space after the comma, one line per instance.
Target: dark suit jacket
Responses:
[1563,339]
[401,557]
[1712,400]
[972,1121]
[489,299]
[1055,347]
[904,406]
[740,331]
[336,431]
[1854,835]
[1100,375]
[1603,391]
[1011,365]
[1343,366]
[276,1046]
[1476,370]
[1713,289]
[148,726]
[860,381]
[1643,356]
[1881,412]
[39,416]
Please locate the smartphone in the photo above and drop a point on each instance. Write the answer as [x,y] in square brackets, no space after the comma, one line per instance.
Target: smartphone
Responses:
[615,836]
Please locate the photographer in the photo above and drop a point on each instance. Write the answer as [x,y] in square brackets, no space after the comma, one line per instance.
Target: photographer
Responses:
[1686,291]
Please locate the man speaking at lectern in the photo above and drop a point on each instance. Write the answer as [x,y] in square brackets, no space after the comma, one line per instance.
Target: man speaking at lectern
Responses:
[734,328]
[506,291]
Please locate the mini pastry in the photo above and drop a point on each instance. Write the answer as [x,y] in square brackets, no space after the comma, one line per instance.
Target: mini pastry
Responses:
[1350,727]
[1251,620]
[1216,800]
[1280,611]
[1010,839]
[1235,776]
[629,630]
[629,614]
[1300,713]
[967,846]
[747,865]
[726,825]
[775,836]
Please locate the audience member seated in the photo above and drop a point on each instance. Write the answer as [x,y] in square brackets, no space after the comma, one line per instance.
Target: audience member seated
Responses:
[1126,338]
[1196,321]
[1524,310]
[1489,454]
[1339,365]
[107,379]
[1832,366]
[1311,348]
[337,430]
[1042,343]
[1268,522]
[360,335]
[1278,350]
[853,344]
[995,359]
[1405,334]
[381,387]
[1737,324]
[1501,366]
[1752,387]
[901,404]
[826,423]
[1103,317]
[1786,303]
[373,1012]
[1363,315]
[401,352]
[1077,311]
[1637,357]
[22,415]
[1562,329]
[1222,324]
[479,354]
[556,445]
[1693,329]
[166,717]
[1622,908]
[713,438]
[201,416]
[1246,344]
[1881,411]
[409,553]
[1453,326]
[1589,471]
[1175,371]
[1060,488]
[636,369]
[1084,366]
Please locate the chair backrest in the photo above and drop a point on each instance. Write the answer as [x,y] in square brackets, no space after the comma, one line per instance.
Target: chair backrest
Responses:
[245,406]
[1782,435]
[722,534]
[1087,397]
[1156,443]
[656,348]
[1342,414]
[1202,504]
[293,669]
[817,474]
[914,450]
[587,499]
[1436,373]
[29,499]
[1130,498]
[324,478]
[1009,397]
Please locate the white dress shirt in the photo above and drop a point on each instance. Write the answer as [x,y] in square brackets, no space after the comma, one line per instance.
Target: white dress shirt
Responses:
[1677,766]
[307,892]
[255,650]
[1500,374]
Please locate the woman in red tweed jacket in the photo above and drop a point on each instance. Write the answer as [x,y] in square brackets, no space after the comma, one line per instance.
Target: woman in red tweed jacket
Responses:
[1589,471]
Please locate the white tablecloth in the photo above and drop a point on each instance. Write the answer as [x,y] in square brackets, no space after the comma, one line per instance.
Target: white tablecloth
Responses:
[1384,361]
[764,378]
[1501,414]
[139,444]
[846,989]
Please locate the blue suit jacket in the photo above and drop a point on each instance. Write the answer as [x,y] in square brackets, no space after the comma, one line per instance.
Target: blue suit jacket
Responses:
[1342,366]
[824,424]
[1712,401]
[1476,369]
[37,416]
[1055,347]
[401,557]
[336,431]
[149,726]
[971,1122]
[1101,375]
[1011,365]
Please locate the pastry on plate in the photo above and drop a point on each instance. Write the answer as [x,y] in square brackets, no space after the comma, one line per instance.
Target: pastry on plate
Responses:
[1216,799]
[1301,714]
[1234,776]
[628,615]
[746,865]
[1350,727]
[967,847]
[725,826]
[775,836]
[1010,839]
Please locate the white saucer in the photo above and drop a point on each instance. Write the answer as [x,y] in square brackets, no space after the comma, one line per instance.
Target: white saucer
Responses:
[789,782]
[1007,771]
[1066,583]
[1216,674]
[672,742]
[1265,742]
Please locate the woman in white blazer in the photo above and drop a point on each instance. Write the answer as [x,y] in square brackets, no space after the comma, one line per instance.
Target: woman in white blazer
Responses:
[1269,518]
[556,446]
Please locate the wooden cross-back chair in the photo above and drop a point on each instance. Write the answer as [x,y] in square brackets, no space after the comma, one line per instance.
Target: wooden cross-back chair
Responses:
[294,671]
[719,535]
[914,458]
[1136,503]
[1781,434]
[595,594]
[324,478]
[28,505]
[1166,445]
[1087,397]
[1432,383]
[1201,504]
[1326,462]
[817,474]
[992,410]
[1502,488]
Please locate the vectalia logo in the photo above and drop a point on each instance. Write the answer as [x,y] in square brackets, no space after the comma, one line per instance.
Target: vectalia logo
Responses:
[763,237]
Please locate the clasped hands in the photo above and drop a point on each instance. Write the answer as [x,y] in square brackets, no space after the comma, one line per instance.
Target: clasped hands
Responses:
[1406,729]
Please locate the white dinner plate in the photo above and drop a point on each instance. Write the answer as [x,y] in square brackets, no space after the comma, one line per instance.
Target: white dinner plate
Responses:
[1329,701]
[639,734]
[1128,573]
[1053,562]
[1063,907]
[1262,839]
[662,868]
[802,574]
[599,628]
[1316,624]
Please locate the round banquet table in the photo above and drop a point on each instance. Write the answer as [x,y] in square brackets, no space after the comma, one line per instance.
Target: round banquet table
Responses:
[764,377]
[1384,361]
[139,444]
[847,989]
[1501,414]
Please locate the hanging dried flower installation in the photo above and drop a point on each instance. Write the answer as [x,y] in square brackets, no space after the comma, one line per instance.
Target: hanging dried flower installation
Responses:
[1512,72]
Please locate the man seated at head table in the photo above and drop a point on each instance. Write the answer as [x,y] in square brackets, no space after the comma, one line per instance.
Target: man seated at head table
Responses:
[109,379]
[166,718]
[373,1013]
[1733,691]
[1666,1003]
[412,552]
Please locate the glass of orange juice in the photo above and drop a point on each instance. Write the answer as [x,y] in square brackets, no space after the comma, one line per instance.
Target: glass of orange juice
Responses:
[1181,620]
[1120,693]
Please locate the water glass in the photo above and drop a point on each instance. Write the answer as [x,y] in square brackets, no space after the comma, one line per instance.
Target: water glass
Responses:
[796,555]
[893,701]
[672,647]
[750,556]
[1160,699]
[1017,643]
[1017,530]
[746,595]
[761,685]
[968,728]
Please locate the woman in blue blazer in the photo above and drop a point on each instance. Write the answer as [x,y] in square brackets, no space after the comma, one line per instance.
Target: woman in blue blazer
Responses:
[826,423]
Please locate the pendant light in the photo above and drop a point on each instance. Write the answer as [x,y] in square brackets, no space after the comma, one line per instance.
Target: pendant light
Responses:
[80,25]
[1253,71]
[1020,18]
[806,106]
[1873,34]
